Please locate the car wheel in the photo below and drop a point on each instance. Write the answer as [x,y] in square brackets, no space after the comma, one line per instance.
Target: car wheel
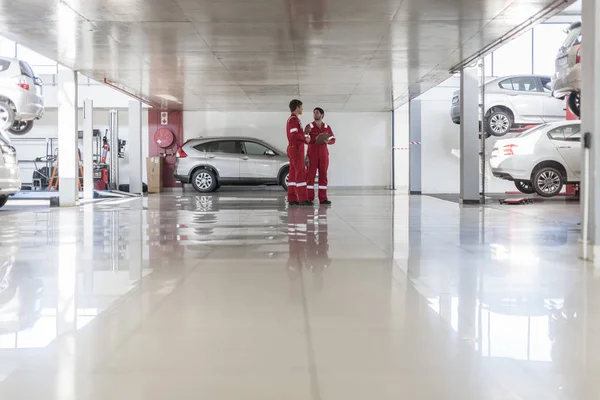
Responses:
[524,187]
[3,200]
[21,127]
[498,123]
[548,182]
[204,181]
[7,116]
[574,103]
[285,177]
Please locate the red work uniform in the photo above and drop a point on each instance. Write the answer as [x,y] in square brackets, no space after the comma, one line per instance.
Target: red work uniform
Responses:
[318,159]
[295,151]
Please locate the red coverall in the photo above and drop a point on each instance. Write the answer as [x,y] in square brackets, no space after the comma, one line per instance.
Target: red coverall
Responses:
[318,159]
[295,151]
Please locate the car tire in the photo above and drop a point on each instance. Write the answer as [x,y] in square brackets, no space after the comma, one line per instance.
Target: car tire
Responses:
[524,187]
[547,182]
[284,178]
[204,181]
[574,103]
[21,128]
[3,200]
[498,123]
[7,116]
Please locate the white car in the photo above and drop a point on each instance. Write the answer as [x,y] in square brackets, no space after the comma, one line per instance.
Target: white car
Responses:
[10,181]
[21,99]
[542,159]
[567,78]
[515,101]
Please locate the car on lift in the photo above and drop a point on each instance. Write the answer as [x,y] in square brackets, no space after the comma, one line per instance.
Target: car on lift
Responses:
[540,160]
[21,98]
[567,78]
[10,181]
[209,163]
[514,102]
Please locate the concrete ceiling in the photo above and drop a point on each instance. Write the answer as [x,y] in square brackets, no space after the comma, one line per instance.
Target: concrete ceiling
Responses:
[255,55]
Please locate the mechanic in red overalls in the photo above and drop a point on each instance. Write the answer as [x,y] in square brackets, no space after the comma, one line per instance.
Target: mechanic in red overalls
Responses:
[321,136]
[295,151]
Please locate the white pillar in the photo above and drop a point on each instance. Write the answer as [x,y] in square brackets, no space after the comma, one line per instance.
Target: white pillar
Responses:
[590,115]
[469,136]
[67,138]
[135,147]
[88,149]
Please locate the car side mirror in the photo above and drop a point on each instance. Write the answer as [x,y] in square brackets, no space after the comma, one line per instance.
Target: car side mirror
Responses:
[269,153]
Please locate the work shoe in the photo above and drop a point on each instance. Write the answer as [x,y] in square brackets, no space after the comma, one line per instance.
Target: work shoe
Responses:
[293,203]
[326,202]
[307,203]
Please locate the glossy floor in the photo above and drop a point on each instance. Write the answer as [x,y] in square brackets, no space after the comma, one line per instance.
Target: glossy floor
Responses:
[378,297]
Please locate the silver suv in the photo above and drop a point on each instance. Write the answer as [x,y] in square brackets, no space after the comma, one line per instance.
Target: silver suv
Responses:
[208,163]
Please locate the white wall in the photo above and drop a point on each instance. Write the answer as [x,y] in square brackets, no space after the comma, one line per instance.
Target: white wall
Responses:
[360,158]
[440,138]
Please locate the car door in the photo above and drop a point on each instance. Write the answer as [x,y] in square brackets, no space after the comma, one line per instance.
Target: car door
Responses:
[567,140]
[526,99]
[258,162]
[224,155]
[554,109]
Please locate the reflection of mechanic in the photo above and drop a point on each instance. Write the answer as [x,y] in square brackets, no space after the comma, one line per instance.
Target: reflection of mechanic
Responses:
[321,136]
[317,244]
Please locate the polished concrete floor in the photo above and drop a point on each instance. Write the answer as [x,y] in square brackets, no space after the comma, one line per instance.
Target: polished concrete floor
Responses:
[233,296]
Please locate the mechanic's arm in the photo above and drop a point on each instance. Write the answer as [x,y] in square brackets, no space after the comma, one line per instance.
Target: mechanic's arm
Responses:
[331,139]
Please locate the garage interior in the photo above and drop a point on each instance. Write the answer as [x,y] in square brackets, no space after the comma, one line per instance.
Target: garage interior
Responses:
[118,281]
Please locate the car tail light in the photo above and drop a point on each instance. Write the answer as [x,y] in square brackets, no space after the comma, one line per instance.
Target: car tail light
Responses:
[180,153]
[509,149]
[23,85]
[578,56]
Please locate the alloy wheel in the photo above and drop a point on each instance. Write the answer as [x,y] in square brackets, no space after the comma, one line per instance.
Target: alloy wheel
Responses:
[5,116]
[204,181]
[549,182]
[499,123]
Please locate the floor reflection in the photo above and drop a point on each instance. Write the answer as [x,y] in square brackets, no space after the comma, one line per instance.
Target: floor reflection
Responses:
[384,296]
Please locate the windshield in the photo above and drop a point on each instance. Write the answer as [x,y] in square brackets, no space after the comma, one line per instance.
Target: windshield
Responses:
[572,34]
[532,130]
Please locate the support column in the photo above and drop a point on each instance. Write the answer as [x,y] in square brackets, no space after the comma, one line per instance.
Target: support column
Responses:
[67,138]
[135,147]
[113,141]
[469,136]
[88,149]
[414,116]
[590,118]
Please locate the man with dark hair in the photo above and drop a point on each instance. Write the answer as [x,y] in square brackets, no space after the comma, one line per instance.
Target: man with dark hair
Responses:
[296,140]
[321,136]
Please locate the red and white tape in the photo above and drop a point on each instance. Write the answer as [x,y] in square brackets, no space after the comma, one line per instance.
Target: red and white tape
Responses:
[406,148]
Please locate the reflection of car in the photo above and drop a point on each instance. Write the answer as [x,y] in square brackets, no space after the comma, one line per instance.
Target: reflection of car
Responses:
[514,101]
[10,181]
[20,293]
[208,163]
[540,160]
[567,78]
[21,100]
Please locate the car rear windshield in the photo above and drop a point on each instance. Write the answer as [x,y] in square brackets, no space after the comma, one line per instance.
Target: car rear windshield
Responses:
[532,130]
[26,69]
[4,65]
[572,34]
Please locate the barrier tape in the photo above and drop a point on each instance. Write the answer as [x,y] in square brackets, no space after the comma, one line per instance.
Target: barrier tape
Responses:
[406,148]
